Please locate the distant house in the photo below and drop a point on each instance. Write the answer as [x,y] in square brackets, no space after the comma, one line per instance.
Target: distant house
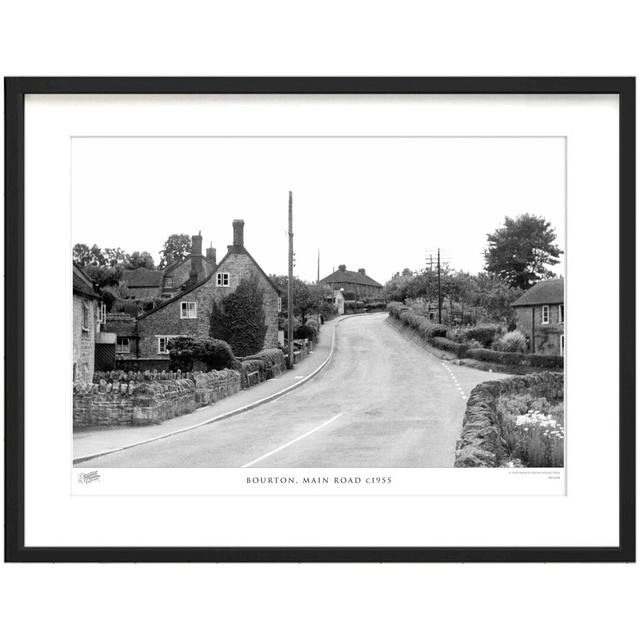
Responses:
[188,312]
[540,316]
[86,309]
[357,282]
[337,300]
[144,283]
[125,328]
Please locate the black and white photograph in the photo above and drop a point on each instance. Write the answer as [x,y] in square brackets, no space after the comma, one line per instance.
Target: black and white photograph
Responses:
[363,315]
[309,302]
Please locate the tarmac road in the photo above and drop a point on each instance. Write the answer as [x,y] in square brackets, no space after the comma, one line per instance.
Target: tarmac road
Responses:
[382,401]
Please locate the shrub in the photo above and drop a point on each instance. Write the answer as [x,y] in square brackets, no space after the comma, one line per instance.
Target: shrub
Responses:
[268,362]
[273,357]
[214,354]
[422,325]
[394,309]
[240,318]
[449,345]
[315,326]
[306,331]
[512,341]
[483,333]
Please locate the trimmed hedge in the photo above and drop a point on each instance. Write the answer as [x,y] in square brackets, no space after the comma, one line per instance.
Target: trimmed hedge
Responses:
[449,345]
[274,360]
[186,352]
[422,325]
[268,362]
[522,359]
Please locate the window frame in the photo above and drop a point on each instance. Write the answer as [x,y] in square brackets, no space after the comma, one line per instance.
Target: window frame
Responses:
[545,306]
[119,351]
[85,320]
[185,305]
[167,338]
[562,344]
[220,278]
[561,313]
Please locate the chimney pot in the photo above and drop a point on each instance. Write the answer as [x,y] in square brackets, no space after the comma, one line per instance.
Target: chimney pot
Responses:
[342,267]
[362,271]
[238,233]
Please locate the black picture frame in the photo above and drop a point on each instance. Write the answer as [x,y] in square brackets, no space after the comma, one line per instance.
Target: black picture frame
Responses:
[15,91]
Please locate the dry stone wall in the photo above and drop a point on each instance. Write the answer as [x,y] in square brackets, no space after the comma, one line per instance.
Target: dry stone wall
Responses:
[120,398]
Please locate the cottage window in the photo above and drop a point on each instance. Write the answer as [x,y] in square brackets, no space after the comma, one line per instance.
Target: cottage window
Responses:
[222,279]
[188,310]
[163,343]
[123,345]
[85,315]
[560,313]
[562,345]
[545,314]
[279,304]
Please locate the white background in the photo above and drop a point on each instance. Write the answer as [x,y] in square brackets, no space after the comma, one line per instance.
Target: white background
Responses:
[54,517]
[401,38]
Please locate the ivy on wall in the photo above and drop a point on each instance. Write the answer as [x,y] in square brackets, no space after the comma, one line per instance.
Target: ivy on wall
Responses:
[239,319]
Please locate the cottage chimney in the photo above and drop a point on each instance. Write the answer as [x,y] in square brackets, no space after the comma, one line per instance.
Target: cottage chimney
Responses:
[238,233]
[362,271]
[196,245]
[342,267]
[211,255]
[197,268]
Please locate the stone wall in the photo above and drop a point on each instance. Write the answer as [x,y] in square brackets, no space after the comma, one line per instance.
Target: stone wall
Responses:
[480,443]
[84,339]
[120,398]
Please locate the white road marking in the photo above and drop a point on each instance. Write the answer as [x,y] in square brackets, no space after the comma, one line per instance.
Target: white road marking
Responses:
[288,444]
[455,381]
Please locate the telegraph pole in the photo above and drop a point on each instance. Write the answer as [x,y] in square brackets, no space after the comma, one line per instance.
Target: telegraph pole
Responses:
[290,285]
[439,292]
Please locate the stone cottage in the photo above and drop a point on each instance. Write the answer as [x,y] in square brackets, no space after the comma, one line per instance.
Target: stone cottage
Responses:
[188,312]
[86,307]
[357,282]
[540,317]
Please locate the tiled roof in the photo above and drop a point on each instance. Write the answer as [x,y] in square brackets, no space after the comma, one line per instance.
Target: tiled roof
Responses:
[189,288]
[349,277]
[82,283]
[142,277]
[545,292]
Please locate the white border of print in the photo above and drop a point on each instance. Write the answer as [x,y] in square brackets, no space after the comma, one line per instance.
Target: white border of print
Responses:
[56,518]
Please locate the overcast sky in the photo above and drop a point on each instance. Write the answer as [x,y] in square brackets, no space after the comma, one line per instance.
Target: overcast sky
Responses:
[377,203]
